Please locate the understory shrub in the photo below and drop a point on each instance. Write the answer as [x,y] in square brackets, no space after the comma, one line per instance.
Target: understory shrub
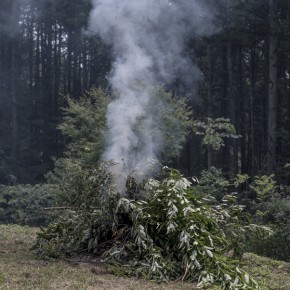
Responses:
[88,220]
[29,204]
[271,208]
[276,215]
[176,233]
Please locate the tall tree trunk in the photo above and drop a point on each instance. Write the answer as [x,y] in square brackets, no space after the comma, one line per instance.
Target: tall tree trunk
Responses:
[69,62]
[229,100]
[272,93]
[209,97]
[232,108]
[55,73]
[224,111]
[242,119]
[251,135]
[48,139]
[13,92]
[85,65]
[31,47]
[14,84]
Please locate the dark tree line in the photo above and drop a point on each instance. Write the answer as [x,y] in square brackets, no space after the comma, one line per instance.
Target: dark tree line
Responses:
[246,79]
[45,55]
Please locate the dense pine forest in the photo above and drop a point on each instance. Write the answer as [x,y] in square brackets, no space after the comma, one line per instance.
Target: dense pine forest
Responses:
[46,55]
[158,130]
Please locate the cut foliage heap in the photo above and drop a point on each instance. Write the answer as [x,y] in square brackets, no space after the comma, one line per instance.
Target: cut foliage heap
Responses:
[175,234]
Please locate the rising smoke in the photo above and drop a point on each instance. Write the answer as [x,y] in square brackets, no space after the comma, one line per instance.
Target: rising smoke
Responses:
[148,38]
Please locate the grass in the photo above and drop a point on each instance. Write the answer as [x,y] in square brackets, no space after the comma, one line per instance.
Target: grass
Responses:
[21,270]
[270,274]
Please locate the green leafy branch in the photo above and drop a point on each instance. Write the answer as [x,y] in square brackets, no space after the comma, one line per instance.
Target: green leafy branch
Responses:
[214,131]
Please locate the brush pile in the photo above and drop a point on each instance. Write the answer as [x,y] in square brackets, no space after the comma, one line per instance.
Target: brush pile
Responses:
[176,233]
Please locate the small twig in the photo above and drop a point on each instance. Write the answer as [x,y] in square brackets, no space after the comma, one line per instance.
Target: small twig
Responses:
[174,281]
[57,208]
[65,207]
[186,270]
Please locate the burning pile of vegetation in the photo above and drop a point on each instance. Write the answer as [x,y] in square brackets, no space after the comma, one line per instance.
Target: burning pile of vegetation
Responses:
[175,233]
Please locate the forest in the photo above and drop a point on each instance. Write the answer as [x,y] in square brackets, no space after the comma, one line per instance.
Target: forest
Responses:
[132,117]
[244,76]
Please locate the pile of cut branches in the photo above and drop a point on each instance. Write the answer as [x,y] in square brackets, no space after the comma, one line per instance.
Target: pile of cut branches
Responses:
[176,233]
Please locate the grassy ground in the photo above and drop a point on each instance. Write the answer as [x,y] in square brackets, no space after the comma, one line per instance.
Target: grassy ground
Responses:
[20,270]
[270,274]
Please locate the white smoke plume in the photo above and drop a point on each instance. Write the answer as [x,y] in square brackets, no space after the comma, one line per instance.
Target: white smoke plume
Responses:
[148,38]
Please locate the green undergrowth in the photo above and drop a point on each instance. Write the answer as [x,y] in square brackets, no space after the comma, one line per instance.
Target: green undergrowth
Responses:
[25,204]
